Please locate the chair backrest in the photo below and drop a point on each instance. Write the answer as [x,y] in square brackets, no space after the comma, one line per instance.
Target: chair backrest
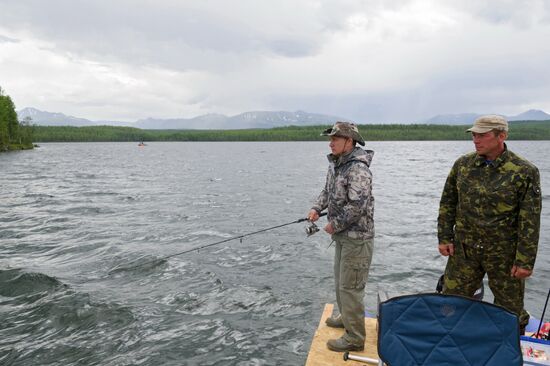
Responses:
[434,329]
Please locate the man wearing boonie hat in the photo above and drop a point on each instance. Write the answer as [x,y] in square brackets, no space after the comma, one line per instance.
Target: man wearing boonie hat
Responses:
[348,197]
[489,219]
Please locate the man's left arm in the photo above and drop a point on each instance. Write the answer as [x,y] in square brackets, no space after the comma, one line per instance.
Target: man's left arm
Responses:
[528,227]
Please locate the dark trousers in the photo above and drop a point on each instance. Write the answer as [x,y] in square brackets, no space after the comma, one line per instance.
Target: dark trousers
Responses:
[467,267]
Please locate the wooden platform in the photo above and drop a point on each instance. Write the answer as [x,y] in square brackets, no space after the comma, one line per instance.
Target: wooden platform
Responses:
[320,355]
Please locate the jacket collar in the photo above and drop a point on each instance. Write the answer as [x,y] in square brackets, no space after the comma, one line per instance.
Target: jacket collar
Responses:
[357,154]
[501,159]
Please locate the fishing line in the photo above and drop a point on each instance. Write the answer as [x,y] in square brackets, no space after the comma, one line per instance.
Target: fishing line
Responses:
[310,230]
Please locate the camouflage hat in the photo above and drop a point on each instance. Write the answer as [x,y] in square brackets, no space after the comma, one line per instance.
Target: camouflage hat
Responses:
[488,123]
[345,129]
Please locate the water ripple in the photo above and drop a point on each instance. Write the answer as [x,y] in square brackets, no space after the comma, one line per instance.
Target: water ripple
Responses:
[88,274]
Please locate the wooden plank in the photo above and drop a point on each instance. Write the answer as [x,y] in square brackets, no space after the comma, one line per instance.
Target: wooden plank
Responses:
[320,355]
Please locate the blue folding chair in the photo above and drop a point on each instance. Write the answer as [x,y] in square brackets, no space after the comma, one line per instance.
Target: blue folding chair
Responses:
[434,329]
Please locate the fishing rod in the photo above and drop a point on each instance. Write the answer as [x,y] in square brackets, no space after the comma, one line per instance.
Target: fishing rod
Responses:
[537,334]
[310,230]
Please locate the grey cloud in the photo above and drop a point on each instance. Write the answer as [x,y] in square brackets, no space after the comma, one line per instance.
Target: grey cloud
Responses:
[172,35]
[472,88]
[5,39]
[519,13]
[360,108]
[181,35]
[237,48]
[292,48]
[546,15]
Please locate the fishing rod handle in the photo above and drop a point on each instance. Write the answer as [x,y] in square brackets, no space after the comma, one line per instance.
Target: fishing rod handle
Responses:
[321,214]
[307,218]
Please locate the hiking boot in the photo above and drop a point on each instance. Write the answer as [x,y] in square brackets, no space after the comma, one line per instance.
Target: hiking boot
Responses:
[342,345]
[335,322]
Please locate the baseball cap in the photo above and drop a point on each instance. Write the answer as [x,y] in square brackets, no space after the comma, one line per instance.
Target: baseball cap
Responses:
[488,123]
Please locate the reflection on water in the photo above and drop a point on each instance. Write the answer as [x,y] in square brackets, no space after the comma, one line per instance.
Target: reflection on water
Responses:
[85,229]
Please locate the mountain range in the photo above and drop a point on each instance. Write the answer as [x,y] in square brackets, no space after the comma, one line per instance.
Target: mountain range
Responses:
[467,118]
[255,119]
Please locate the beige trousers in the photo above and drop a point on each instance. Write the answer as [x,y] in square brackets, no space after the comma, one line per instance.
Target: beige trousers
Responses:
[352,259]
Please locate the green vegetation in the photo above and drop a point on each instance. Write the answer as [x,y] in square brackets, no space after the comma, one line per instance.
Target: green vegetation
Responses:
[13,135]
[521,130]
[20,135]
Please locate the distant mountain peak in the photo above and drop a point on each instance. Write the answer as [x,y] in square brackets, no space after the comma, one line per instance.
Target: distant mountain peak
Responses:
[468,118]
[452,119]
[531,115]
[52,118]
[251,119]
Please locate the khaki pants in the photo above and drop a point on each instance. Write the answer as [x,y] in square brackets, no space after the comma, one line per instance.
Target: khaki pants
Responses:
[352,260]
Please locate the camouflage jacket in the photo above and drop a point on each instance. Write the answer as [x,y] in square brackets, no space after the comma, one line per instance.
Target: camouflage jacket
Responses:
[348,194]
[494,204]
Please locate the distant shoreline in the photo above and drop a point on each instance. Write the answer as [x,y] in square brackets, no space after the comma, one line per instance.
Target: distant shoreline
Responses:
[519,130]
[17,147]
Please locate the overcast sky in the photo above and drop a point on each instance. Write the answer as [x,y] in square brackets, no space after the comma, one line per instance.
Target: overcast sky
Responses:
[369,61]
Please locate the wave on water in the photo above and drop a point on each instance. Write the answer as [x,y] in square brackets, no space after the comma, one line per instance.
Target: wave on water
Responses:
[143,264]
[101,266]
[15,282]
[208,233]
[48,322]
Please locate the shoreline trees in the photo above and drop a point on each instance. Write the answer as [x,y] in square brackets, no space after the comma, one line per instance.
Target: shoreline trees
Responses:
[13,136]
[17,135]
[525,130]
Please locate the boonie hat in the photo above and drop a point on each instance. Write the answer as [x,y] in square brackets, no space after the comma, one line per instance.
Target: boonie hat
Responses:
[488,123]
[345,129]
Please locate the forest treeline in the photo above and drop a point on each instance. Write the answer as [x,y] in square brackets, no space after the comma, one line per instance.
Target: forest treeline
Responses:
[16,134]
[13,134]
[519,130]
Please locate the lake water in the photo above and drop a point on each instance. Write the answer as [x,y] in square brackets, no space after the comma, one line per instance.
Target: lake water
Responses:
[71,213]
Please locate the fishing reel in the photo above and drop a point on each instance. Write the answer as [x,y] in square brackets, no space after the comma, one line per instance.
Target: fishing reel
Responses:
[311,229]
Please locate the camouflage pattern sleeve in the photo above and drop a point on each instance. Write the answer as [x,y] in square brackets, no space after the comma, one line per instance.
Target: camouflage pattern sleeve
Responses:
[359,191]
[529,222]
[447,207]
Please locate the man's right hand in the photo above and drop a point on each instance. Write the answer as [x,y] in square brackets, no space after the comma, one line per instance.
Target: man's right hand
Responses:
[313,215]
[446,249]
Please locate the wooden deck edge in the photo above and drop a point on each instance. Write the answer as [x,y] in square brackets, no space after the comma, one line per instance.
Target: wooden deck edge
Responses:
[320,355]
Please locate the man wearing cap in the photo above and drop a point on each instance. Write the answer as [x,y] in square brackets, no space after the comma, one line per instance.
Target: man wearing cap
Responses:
[489,219]
[348,197]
